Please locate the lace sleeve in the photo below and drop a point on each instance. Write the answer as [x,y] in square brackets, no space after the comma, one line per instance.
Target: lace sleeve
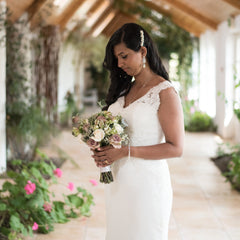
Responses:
[152,98]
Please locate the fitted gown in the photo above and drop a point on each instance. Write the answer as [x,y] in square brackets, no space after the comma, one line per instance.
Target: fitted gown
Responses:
[139,201]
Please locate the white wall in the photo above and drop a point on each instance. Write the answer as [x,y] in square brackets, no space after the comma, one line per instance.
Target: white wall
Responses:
[66,74]
[207,87]
[218,56]
[2,93]
[71,76]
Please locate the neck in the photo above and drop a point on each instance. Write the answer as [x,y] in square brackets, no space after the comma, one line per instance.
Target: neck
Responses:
[145,75]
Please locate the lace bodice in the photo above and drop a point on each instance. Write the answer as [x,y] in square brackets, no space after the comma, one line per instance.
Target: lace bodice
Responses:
[142,116]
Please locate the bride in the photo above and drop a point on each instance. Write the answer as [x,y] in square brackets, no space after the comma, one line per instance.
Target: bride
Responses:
[139,201]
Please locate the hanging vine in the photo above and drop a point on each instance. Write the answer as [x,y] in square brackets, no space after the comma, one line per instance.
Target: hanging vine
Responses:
[26,124]
[46,68]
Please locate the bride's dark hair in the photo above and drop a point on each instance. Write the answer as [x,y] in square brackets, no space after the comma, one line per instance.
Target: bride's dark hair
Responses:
[120,81]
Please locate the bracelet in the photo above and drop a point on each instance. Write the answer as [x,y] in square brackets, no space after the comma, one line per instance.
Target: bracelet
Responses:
[129,153]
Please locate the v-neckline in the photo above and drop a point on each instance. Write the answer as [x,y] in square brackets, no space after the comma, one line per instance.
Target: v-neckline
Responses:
[124,100]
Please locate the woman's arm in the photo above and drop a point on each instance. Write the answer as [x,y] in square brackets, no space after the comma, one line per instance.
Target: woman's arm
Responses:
[170,116]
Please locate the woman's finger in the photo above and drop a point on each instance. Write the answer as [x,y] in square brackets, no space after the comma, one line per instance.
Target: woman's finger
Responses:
[100,149]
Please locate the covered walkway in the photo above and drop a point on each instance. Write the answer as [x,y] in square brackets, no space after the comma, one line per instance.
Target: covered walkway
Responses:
[204,207]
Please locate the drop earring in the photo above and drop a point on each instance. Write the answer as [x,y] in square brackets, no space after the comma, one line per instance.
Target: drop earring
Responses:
[144,61]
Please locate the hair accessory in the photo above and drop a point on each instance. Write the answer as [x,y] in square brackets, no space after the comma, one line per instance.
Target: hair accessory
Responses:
[142,38]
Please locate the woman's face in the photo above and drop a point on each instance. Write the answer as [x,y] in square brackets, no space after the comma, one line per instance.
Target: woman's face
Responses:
[128,60]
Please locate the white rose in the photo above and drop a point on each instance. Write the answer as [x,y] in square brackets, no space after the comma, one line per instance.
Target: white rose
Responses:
[98,135]
[118,128]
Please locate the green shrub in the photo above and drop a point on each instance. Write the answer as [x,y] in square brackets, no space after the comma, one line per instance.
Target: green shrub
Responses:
[70,110]
[233,173]
[26,202]
[200,122]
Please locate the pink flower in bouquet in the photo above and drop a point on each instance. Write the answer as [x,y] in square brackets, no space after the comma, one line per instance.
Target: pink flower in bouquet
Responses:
[35,226]
[92,143]
[57,172]
[115,141]
[93,182]
[101,120]
[30,187]
[75,119]
[86,127]
[70,186]
[47,207]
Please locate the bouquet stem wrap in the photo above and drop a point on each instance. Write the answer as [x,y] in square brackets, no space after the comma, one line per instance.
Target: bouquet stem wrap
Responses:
[106,174]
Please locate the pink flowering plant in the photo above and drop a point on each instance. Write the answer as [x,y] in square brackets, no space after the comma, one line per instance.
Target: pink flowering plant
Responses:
[101,129]
[27,205]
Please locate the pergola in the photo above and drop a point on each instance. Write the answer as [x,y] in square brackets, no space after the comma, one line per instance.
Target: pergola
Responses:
[101,16]
[202,19]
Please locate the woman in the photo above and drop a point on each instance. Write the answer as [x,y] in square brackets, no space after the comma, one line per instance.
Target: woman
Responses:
[138,202]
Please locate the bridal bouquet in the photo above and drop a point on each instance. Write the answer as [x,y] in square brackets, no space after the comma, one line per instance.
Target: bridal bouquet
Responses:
[101,129]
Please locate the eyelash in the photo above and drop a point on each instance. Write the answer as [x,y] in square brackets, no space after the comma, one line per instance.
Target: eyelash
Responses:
[124,57]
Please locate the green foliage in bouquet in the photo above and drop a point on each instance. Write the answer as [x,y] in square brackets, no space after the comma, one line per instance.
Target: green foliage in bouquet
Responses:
[26,203]
[200,122]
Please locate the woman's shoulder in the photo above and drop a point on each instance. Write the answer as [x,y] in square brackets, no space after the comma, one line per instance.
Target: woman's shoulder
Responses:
[162,84]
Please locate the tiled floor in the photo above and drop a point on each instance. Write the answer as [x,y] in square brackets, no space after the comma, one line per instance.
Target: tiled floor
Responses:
[204,208]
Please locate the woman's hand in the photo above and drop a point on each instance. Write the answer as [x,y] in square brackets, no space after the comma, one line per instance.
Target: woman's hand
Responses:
[105,156]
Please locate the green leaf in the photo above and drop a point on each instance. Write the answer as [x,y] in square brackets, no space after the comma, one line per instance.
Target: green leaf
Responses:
[5,231]
[16,162]
[85,210]
[18,202]
[75,200]
[15,223]
[48,169]
[43,183]
[59,214]
[6,186]
[36,173]
[12,174]
[36,201]
[3,206]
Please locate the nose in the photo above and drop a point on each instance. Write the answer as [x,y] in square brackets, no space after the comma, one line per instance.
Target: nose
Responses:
[120,63]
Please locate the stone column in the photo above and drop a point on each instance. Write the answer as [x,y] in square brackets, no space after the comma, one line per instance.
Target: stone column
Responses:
[3,157]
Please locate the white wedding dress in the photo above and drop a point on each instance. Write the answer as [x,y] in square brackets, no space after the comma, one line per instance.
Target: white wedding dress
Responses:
[139,201]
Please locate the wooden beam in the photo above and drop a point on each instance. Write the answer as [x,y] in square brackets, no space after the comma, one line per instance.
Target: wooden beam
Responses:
[119,19]
[34,8]
[157,8]
[95,12]
[69,11]
[102,17]
[234,3]
[189,28]
[192,13]
[94,7]
[100,28]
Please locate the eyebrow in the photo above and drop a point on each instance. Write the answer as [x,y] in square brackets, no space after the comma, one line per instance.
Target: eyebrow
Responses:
[121,53]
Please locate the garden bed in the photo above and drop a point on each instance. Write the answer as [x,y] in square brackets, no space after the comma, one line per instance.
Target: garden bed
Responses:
[225,165]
